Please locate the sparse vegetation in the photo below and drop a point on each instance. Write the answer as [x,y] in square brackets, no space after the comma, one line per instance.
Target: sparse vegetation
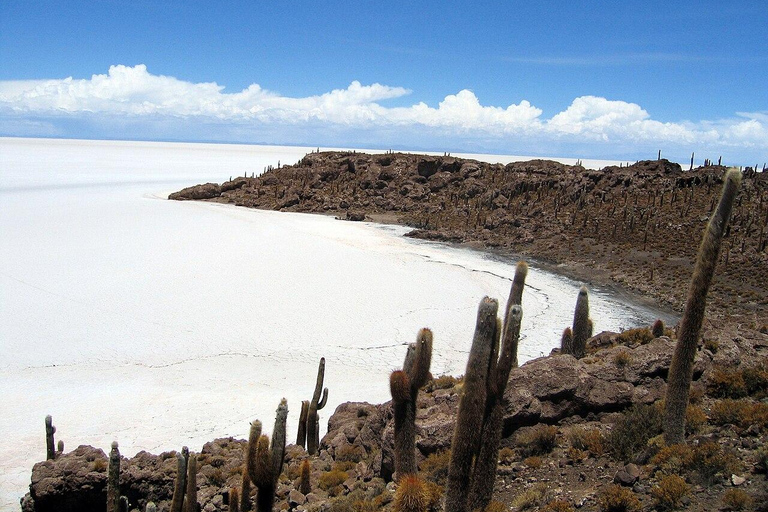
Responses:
[538,440]
[616,498]
[631,433]
[669,492]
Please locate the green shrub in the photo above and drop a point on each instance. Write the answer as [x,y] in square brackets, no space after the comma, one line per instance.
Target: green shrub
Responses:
[633,430]
[331,479]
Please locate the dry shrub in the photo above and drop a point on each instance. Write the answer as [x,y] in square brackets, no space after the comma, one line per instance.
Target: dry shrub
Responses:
[575,455]
[639,336]
[633,430]
[669,492]
[344,465]
[616,498]
[495,506]
[736,499]
[622,358]
[712,463]
[330,479]
[411,495]
[533,497]
[727,384]
[712,345]
[676,458]
[100,465]
[434,494]
[507,455]
[538,440]
[350,453]
[742,413]
[694,419]
[435,467]
[761,464]
[533,462]
[441,382]
[591,440]
[557,506]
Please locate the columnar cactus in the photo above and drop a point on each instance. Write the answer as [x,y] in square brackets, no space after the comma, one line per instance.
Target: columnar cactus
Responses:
[245,488]
[50,445]
[681,367]
[265,463]
[234,500]
[515,299]
[113,479]
[404,385]
[305,485]
[566,341]
[582,325]
[658,329]
[313,432]
[190,500]
[180,485]
[301,435]
[59,448]
[474,449]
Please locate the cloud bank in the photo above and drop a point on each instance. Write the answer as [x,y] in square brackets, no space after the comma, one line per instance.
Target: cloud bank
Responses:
[133,97]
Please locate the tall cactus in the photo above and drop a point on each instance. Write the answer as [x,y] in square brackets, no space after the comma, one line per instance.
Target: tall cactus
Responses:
[113,479]
[301,435]
[265,462]
[681,367]
[313,432]
[404,385]
[474,449]
[50,445]
[190,500]
[582,325]
[180,485]
[234,500]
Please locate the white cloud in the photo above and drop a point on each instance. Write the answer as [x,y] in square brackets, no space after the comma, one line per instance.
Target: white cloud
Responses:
[135,93]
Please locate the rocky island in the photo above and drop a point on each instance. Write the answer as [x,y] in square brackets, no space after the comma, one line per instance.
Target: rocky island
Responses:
[578,432]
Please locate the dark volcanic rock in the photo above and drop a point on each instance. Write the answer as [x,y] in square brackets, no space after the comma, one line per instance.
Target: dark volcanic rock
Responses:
[206,191]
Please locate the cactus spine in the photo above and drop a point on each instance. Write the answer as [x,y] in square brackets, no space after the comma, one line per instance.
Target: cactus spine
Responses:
[404,386]
[234,500]
[179,486]
[681,367]
[411,495]
[50,446]
[190,501]
[582,325]
[301,435]
[265,463]
[313,432]
[113,479]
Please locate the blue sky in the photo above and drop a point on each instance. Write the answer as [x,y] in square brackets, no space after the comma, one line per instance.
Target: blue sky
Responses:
[584,79]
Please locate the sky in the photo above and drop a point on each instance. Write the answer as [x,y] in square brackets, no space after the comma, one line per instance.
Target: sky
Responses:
[612,80]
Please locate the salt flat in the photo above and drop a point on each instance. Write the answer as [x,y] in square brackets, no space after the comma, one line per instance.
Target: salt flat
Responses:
[160,323]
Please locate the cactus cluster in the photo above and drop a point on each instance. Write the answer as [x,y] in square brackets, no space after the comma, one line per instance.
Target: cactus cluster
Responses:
[404,385]
[309,421]
[574,339]
[265,460]
[475,445]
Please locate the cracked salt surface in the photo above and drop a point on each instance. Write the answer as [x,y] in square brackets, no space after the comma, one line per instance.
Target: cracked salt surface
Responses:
[160,323]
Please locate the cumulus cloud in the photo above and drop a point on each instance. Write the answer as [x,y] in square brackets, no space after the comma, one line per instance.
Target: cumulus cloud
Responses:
[135,93]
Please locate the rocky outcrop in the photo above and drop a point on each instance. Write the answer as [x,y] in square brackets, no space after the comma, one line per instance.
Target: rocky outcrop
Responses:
[205,191]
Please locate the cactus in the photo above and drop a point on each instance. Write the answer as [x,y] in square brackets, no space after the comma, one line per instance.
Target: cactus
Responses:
[122,504]
[566,341]
[190,501]
[49,443]
[658,329]
[404,386]
[245,488]
[582,324]
[113,480]
[180,484]
[265,462]
[313,432]
[474,449]
[305,486]
[234,500]
[60,448]
[516,298]
[301,435]
[151,507]
[411,495]
[681,367]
